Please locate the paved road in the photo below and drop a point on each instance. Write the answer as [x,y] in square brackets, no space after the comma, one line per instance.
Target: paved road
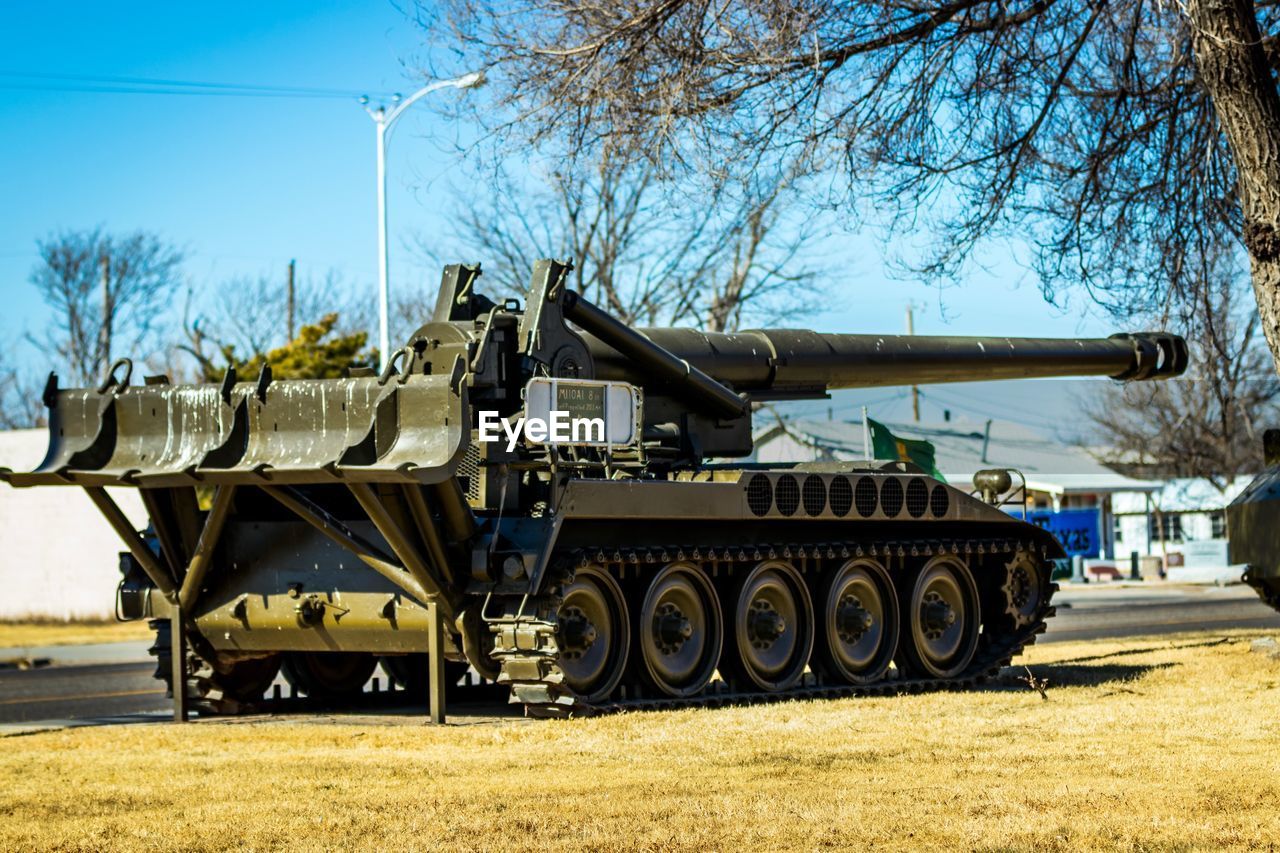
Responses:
[86,690]
[1087,613]
[82,690]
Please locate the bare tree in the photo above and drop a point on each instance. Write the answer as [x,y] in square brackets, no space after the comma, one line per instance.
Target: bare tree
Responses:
[20,404]
[109,294]
[412,303]
[641,248]
[247,317]
[1121,140]
[1207,425]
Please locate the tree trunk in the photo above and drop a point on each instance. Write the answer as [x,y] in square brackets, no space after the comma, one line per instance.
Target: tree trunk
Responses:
[1233,69]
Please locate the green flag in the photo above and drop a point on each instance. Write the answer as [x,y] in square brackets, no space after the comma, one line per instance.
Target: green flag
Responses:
[886,445]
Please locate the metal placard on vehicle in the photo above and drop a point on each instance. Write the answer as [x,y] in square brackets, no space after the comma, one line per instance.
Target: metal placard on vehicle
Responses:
[583,412]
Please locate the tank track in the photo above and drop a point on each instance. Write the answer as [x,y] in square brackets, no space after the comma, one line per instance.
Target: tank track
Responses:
[527,649]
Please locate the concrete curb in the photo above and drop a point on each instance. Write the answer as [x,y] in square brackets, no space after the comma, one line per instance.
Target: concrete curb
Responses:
[34,727]
[1066,585]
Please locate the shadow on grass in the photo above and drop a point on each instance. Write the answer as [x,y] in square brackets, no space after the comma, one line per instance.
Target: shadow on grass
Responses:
[1074,675]
[1145,650]
[1071,674]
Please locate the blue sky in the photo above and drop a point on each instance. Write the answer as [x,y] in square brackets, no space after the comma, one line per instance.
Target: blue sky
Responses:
[245,184]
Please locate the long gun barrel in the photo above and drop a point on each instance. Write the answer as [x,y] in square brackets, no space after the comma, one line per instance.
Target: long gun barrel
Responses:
[783,363]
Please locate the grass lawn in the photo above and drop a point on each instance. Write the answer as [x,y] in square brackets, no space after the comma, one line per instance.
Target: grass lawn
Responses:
[1145,743]
[51,633]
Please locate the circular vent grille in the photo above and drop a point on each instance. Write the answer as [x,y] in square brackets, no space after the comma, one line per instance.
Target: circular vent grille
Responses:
[891,497]
[815,495]
[917,497]
[939,501]
[788,494]
[759,494]
[864,496]
[842,496]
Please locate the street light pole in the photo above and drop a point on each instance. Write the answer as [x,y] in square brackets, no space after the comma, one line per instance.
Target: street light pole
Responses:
[384,120]
[384,296]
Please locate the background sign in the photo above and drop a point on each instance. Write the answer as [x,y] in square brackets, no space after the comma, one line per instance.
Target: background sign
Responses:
[1077,529]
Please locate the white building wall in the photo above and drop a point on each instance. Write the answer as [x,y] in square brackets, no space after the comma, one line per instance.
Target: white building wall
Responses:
[1134,535]
[60,555]
[783,449]
[1196,526]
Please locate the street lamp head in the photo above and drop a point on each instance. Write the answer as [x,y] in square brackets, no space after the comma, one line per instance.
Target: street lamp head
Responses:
[474,80]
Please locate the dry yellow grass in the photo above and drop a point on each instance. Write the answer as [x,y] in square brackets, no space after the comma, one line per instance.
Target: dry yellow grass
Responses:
[23,634]
[1139,745]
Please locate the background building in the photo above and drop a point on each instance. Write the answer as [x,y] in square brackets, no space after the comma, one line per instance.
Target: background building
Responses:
[1183,524]
[61,556]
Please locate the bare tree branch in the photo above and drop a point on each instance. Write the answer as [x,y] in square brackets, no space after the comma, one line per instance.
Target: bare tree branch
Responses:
[20,404]
[642,250]
[1208,424]
[247,317]
[1114,138]
[108,293]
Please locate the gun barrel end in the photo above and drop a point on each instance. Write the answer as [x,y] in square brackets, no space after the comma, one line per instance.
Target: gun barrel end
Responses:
[1156,355]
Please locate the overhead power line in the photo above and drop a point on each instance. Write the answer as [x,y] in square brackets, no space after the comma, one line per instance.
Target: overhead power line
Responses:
[49,82]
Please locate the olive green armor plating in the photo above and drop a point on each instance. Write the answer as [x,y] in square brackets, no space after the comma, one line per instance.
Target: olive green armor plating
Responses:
[1253,525]
[317,525]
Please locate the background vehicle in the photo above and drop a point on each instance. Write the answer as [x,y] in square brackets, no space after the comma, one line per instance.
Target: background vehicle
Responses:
[1253,525]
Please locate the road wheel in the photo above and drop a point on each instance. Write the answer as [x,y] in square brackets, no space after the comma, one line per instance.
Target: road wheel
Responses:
[593,634]
[1024,589]
[248,680]
[942,616]
[680,631]
[771,618]
[234,687]
[329,676]
[859,622]
[411,672]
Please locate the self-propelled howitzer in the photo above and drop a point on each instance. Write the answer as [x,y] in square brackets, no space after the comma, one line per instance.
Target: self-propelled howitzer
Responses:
[321,526]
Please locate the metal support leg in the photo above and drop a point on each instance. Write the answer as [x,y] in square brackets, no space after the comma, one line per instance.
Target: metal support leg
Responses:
[435,676]
[178,651]
[157,573]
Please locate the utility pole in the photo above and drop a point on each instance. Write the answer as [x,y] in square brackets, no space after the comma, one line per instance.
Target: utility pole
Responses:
[915,389]
[290,304]
[866,435]
[108,308]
